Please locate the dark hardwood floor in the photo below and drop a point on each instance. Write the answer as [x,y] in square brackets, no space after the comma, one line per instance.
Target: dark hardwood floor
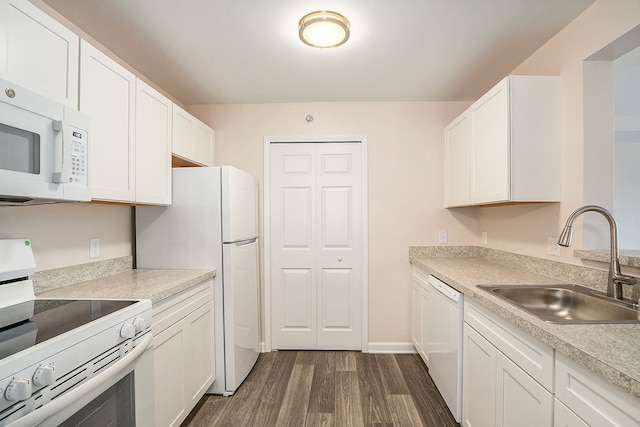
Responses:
[329,388]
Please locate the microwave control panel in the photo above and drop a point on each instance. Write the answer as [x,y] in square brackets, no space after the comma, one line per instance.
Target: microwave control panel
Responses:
[79,157]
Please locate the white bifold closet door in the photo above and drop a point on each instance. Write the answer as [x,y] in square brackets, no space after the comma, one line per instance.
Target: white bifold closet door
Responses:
[316,246]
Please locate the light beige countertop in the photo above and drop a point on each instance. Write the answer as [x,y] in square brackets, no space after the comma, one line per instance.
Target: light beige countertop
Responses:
[612,351]
[155,285]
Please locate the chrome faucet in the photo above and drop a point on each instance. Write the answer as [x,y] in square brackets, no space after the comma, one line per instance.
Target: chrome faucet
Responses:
[616,278]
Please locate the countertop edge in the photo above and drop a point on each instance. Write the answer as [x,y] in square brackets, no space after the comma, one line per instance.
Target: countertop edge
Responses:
[533,326]
[153,284]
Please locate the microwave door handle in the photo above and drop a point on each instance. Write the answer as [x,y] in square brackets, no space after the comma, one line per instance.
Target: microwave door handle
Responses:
[62,152]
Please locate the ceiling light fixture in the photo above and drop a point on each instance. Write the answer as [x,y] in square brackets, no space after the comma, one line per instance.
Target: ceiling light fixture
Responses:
[324,29]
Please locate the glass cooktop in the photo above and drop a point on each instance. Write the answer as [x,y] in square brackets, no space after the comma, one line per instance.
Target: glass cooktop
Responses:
[30,323]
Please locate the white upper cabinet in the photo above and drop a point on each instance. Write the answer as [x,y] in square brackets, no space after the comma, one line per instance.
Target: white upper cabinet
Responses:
[193,141]
[490,153]
[512,135]
[37,52]
[203,140]
[108,94]
[183,131]
[153,146]
[457,162]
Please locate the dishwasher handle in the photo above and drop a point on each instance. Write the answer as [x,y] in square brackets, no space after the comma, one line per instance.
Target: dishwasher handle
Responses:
[444,289]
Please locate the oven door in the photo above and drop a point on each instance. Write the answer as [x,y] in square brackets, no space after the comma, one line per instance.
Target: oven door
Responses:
[121,396]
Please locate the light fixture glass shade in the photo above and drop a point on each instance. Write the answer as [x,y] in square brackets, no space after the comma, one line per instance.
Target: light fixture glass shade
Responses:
[324,29]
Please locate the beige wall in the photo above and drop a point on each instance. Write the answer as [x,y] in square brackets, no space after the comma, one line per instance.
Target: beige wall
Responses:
[405,179]
[405,175]
[60,233]
[406,160]
[525,229]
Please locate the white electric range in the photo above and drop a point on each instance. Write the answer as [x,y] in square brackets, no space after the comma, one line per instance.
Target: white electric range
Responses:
[70,361]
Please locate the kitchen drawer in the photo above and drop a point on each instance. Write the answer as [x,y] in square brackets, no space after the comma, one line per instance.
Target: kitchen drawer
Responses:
[420,277]
[172,309]
[565,417]
[593,399]
[533,356]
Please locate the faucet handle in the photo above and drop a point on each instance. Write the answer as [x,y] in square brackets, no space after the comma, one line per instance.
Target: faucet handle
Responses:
[623,279]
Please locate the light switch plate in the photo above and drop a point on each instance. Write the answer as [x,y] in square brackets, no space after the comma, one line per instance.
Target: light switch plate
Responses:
[443,236]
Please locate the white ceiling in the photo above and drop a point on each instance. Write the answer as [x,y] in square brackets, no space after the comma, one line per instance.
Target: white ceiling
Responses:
[248,51]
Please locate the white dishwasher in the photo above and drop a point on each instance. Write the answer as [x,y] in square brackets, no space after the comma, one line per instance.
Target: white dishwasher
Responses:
[445,343]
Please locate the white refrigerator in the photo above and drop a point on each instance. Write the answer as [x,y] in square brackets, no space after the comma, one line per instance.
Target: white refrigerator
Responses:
[212,223]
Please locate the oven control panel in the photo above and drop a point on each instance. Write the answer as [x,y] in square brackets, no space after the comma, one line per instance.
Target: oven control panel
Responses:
[54,367]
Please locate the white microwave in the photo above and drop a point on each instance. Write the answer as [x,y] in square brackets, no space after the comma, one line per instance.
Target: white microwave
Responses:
[44,149]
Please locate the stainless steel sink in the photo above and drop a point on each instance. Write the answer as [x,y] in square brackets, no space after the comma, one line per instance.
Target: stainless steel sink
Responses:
[566,303]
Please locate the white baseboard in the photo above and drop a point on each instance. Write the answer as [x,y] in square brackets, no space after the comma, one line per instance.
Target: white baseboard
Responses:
[375,347]
[391,347]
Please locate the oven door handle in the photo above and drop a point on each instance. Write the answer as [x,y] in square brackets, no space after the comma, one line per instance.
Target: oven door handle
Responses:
[41,414]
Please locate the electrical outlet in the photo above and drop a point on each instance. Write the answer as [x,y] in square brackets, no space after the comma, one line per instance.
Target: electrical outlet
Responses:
[552,246]
[94,247]
[484,237]
[442,236]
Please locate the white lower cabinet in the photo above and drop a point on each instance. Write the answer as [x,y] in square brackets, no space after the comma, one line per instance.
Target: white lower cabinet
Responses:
[479,379]
[183,352]
[521,401]
[169,362]
[591,399]
[497,391]
[565,417]
[420,313]
[510,378]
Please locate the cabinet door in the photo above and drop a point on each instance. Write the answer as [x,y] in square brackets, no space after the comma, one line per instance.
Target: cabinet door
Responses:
[416,317]
[169,363]
[203,144]
[193,141]
[521,401]
[420,323]
[107,94]
[38,52]
[564,417]
[199,353]
[153,146]
[479,380]
[424,327]
[592,398]
[183,133]
[457,162]
[491,146]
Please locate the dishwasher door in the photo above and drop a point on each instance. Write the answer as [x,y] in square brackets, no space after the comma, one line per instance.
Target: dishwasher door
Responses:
[445,343]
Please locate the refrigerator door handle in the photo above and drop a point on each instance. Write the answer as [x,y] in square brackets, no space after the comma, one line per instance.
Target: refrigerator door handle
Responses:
[245,242]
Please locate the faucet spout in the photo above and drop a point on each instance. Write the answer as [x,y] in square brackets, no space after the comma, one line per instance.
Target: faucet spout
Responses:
[616,279]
